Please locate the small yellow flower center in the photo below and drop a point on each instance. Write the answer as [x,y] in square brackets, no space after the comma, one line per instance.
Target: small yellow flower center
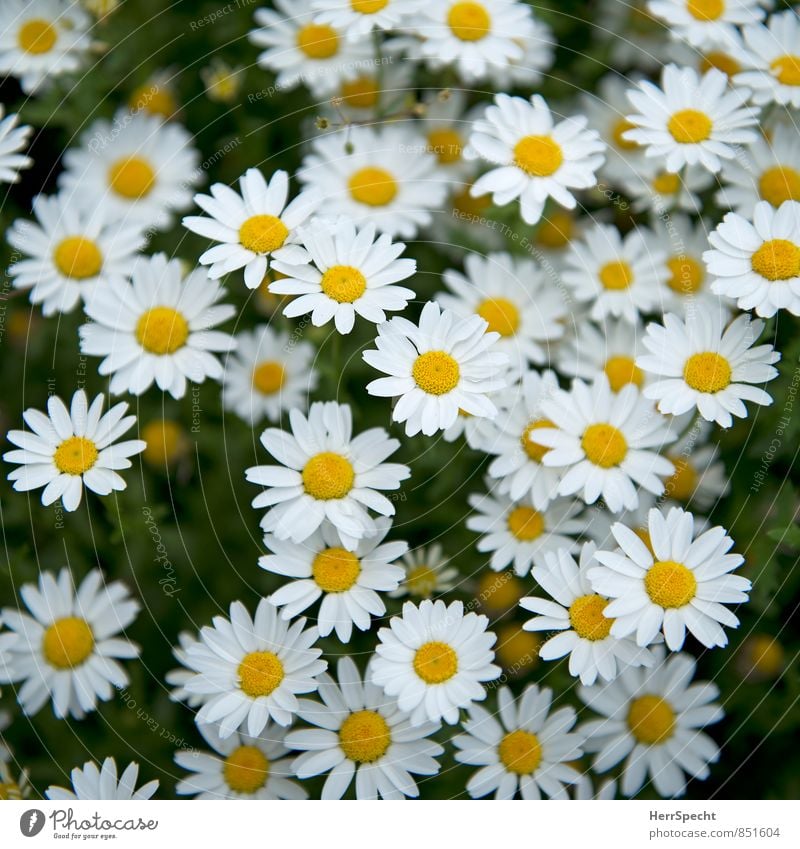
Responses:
[166,441]
[777,259]
[37,36]
[666,183]
[721,61]
[525,523]
[268,377]
[706,10]
[328,476]
[690,126]
[435,662]
[621,371]
[469,21]
[335,570]
[368,7]
[162,330]
[707,372]
[616,276]
[318,41]
[469,207]
[246,769]
[586,617]
[779,184]
[498,592]
[343,284]
[68,642]
[364,736]
[670,584]
[686,275]
[538,156]
[421,581]
[651,720]
[604,445]
[372,186]
[501,314]
[263,233]
[764,654]
[517,649]
[361,93]
[260,672]
[78,257]
[620,127]
[153,99]
[533,449]
[520,752]
[75,455]
[683,482]
[131,177]
[556,231]
[787,69]
[446,145]
[436,372]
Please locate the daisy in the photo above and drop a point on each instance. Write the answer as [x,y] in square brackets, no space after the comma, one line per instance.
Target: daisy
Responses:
[344,272]
[427,573]
[651,187]
[536,158]
[605,443]
[41,39]
[70,251]
[620,276]
[683,582]
[699,476]
[527,72]
[358,18]
[251,227]
[13,787]
[348,582]
[13,139]
[93,784]
[377,90]
[637,39]
[250,670]
[385,176]
[360,735]
[651,718]
[434,659]
[67,450]
[706,23]
[326,473]
[240,767]
[691,119]
[526,748]
[758,264]
[268,373]
[445,123]
[158,327]
[444,364]
[700,363]
[576,612]
[772,58]
[67,650]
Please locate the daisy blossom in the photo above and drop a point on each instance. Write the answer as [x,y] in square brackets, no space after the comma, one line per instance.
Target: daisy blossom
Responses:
[538,54]
[699,477]
[427,573]
[358,18]
[772,60]
[706,23]
[93,784]
[13,139]
[652,188]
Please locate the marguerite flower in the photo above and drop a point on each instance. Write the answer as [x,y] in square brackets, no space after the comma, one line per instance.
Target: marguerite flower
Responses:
[773,54]
[93,784]
[427,573]
[446,123]
[699,477]
[538,54]
[651,187]
[13,139]
[357,18]
[706,23]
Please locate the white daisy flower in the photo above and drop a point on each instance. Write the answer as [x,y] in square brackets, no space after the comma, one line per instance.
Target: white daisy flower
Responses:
[252,227]
[576,612]
[682,583]
[758,264]
[651,718]
[691,119]
[445,123]
[652,188]
[13,139]
[358,18]
[240,767]
[344,272]
[772,52]
[93,784]
[536,158]
[706,23]
[434,659]
[361,735]
[620,276]
[326,473]
[635,38]
[42,39]
[699,478]
[70,251]
[444,364]
[68,450]
[348,582]
[525,749]
[178,677]
[526,72]
[249,670]
[384,176]
[700,363]
[585,791]
[605,443]
[158,327]
[67,650]
[427,573]
[377,90]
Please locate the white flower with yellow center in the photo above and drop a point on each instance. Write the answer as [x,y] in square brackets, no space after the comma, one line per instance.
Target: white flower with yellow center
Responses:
[326,473]
[434,659]
[576,612]
[361,735]
[538,54]
[620,276]
[379,89]
[773,54]
[70,250]
[268,373]
[651,187]
[706,23]
[535,158]
[691,119]
[446,123]
[525,749]
[443,365]
[699,478]
[358,18]
[651,718]
[42,39]
[252,227]
[67,649]
[249,670]
[427,573]
[13,139]
[384,176]
[105,784]
[240,767]
[756,260]
[348,582]
[604,443]
[700,363]
[158,327]
[67,450]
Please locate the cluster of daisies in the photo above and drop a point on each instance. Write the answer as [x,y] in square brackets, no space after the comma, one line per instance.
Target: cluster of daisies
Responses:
[584,359]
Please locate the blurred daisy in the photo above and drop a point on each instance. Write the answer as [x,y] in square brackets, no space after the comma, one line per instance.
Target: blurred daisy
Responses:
[13,139]
[13,787]
[445,123]
[222,81]
[68,450]
[651,187]
[377,90]
[357,18]
[772,52]
[158,327]
[699,477]
[706,23]
[434,659]
[93,784]
[67,650]
[427,573]
[538,54]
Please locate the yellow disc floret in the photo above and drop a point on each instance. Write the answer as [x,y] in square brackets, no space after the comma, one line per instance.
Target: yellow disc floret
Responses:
[37,36]
[621,371]
[707,372]
[132,177]
[318,41]
[587,619]
[501,314]
[670,584]
[162,330]
[328,476]
[360,93]
[246,769]
[787,69]
[68,642]
[445,144]
[779,184]
[705,10]
[604,445]
[269,376]
[533,449]
[538,156]
[520,752]
[263,233]
[777,259]
[166,442]
[690,126]
[616,276]
[683,482]
[372,186]
[435,662]
[617,134]
[469,21]
[343,284]
[75,455]
[686,275]
[260,673]
[421,581]
[436,372]
[368,7]
[525,523]
[335,570]
[651,720]
[78,257]
[364,736]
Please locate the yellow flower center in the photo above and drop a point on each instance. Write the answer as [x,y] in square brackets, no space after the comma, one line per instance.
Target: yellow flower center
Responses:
[604,445]
[328,476]
[131,177]
[372,186]
[651,720]
[263,233]
[690,126]
[777,259]
[364,736]
[620,127]
[616,276]
[707,372]
[154,99]
[318,41]
[469,21]
[469,207]
[436,372]
[10,790]
[368,7]
[260,672]
[75,455]
[162,330]
[421,581]
[666,183]
[534,450]
[37,36]
[644,536]
[520,752]
[538,156]
[499,591]
[68,642]
[685,275]
[670,584]
[586,617]
[268,377]
[556,231]
[165,440]
[683,482]
[361,93]
[721,61]
[525,523]
[246,769]
[764,654]
[516,648]
[446,145]
[779,184]
[435,662]
[343,284]
[335,570]
[78,257]
[705,10]
[501,314]
[787,69]
[621,371]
